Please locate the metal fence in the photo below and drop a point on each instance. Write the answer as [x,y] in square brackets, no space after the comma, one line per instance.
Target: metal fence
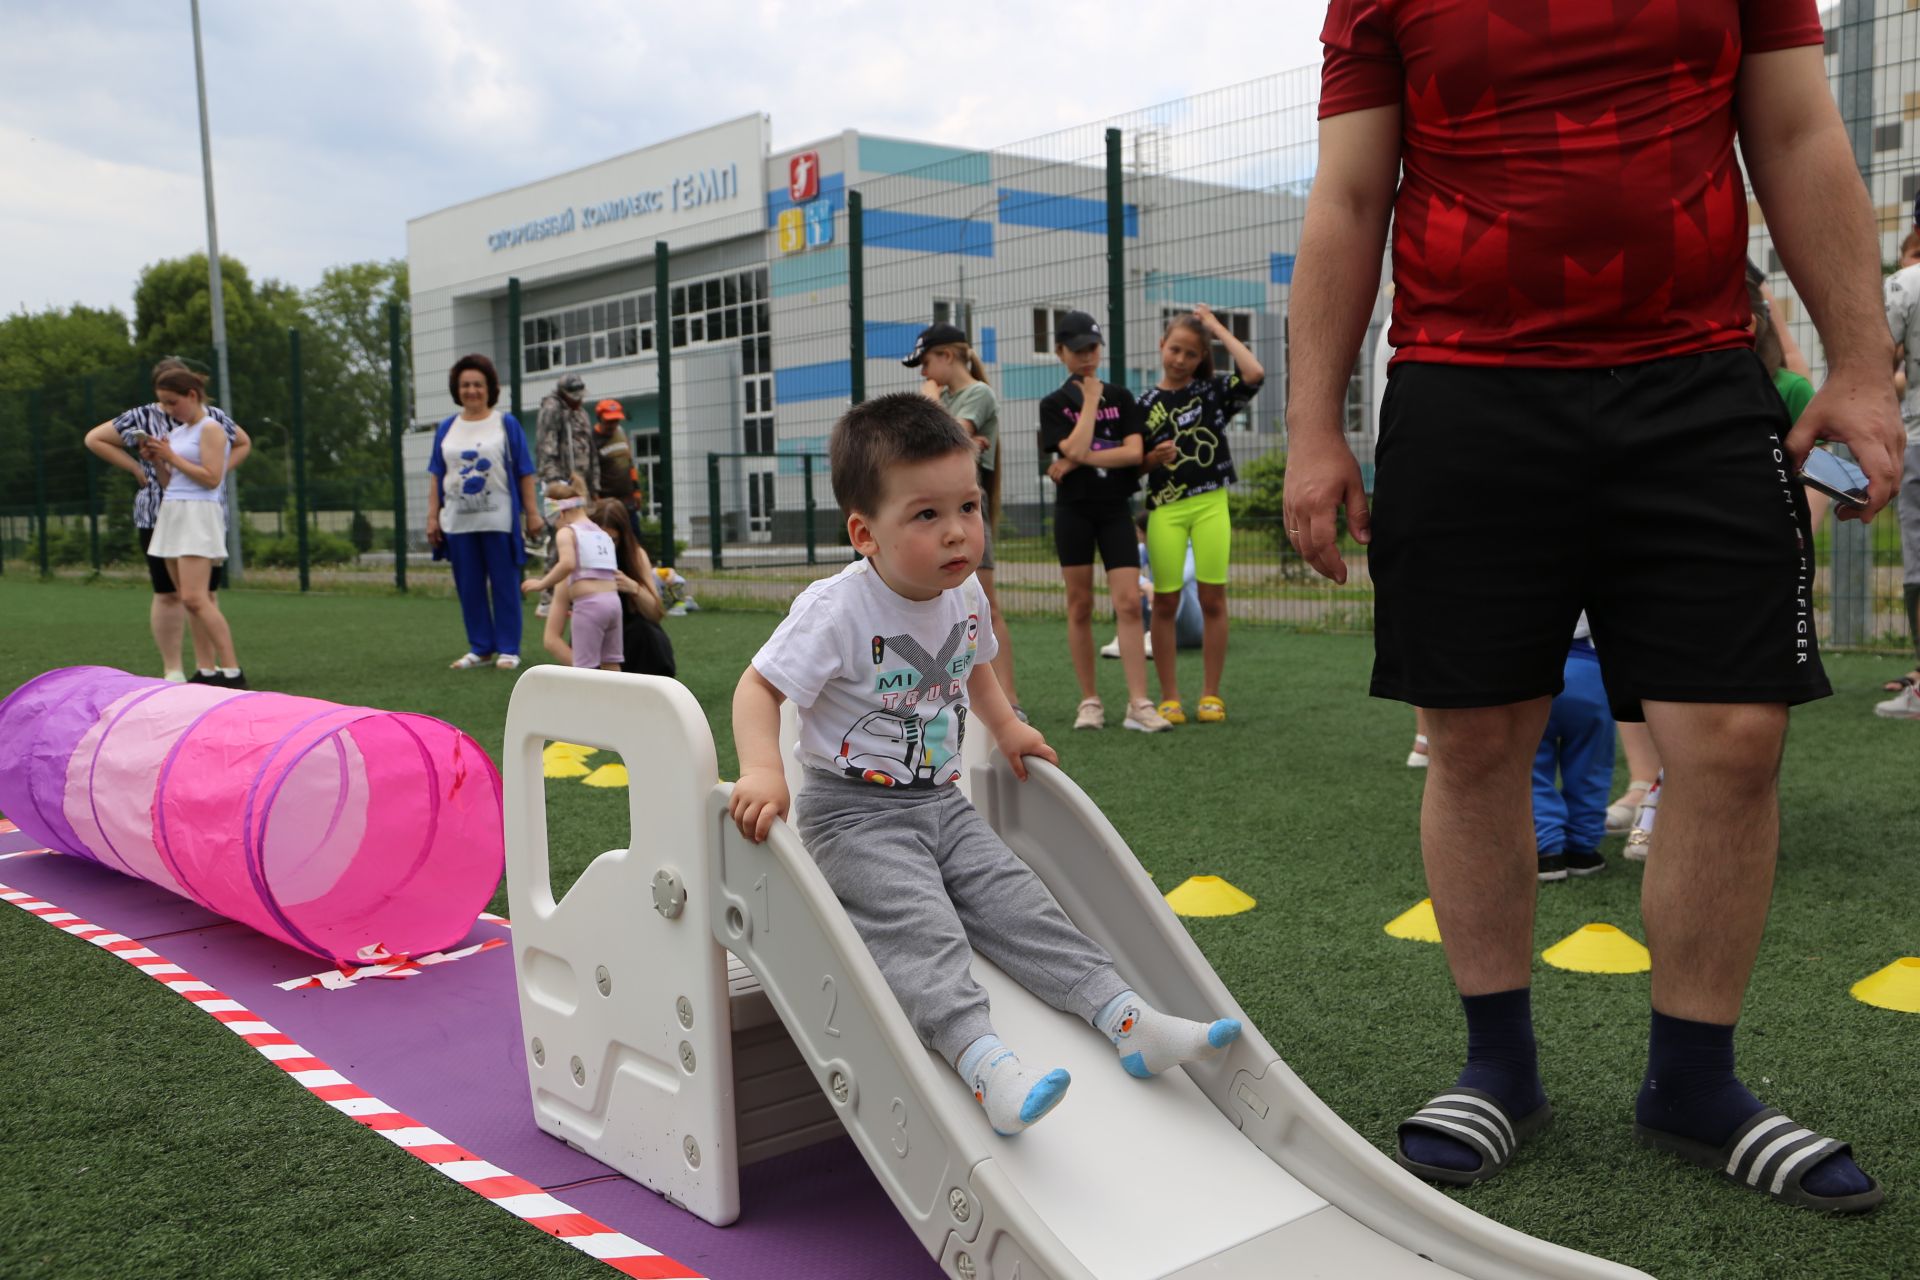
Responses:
[732,351]
[314,506]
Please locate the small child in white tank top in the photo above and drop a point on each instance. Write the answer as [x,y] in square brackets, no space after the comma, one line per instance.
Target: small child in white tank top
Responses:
[586,562]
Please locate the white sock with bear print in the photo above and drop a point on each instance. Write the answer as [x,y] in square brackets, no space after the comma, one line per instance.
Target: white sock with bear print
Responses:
[1014,1095]
[1149,1041]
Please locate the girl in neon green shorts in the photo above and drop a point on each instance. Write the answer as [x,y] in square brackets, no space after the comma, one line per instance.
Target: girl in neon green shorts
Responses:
[1186,429]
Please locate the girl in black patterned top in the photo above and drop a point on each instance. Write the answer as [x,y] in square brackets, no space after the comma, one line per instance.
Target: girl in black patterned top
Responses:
[1190,469]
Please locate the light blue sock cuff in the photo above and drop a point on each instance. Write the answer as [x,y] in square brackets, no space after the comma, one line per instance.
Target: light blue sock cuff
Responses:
[977,1052]
[1111,1008]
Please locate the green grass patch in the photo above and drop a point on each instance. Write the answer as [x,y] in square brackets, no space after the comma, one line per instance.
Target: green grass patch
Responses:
[146,1141]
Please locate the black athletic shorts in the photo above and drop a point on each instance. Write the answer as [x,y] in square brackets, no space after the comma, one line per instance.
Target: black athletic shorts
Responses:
[1655,496]
[1078,529]
[163,581]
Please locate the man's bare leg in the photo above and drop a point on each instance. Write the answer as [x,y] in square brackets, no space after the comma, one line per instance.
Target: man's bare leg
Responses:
[1704,904]
[1476,836]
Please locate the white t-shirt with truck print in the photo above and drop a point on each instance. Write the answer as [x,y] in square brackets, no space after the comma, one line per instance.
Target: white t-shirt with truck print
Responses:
[880,681]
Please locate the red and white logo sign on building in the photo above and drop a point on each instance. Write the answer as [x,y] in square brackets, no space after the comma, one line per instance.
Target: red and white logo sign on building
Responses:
[803,176]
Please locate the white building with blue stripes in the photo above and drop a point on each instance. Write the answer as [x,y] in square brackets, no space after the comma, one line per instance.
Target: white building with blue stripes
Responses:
[997,242]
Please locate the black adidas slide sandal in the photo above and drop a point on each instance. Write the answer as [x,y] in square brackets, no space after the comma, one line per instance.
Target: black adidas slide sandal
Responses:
[1480,1121]
[1770,1154]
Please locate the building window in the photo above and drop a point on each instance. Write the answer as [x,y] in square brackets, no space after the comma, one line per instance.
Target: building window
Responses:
[1355,409]
[757,421]
[723,308]
[646,460]
[598,332]
[760,507]
[1046,323]
[955,311]
[729,307]
[1886,137]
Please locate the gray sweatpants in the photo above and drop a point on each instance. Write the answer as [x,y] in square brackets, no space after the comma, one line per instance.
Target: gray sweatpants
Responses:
[923,877]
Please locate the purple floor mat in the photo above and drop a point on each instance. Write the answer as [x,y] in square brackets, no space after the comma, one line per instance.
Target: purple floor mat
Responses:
[444,1047]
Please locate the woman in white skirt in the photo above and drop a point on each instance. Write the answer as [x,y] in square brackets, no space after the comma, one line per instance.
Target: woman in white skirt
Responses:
[191,531]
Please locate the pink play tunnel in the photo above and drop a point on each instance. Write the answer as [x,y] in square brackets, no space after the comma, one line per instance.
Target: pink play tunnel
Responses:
[343,831]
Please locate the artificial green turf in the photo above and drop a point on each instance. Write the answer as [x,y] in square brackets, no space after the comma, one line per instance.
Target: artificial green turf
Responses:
[143,1140]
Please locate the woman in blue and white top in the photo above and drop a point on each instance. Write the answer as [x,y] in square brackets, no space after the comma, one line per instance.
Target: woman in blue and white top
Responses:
[190,533]
[480,498]
[117,442]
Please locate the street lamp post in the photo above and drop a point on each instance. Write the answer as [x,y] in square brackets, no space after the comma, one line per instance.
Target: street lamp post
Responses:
[960,299]
[216,295]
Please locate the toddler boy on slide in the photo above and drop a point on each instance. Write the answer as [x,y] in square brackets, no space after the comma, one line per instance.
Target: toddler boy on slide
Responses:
[887,662]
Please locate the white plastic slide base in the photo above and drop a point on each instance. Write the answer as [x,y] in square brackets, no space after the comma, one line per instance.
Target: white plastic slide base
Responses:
[624,1010]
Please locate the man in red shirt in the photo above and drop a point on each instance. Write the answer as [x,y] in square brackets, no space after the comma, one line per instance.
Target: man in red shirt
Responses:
[1575,419]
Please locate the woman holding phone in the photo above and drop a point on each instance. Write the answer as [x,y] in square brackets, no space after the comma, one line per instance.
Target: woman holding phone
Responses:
[118,442]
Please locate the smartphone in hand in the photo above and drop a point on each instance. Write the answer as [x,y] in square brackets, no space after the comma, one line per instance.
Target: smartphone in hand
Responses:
[1833,475]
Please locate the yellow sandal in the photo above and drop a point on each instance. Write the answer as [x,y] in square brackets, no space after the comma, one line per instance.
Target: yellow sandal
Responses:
[1212,710]
[1172,712]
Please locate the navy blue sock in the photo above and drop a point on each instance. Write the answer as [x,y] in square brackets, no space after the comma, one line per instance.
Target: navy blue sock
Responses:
[1690,1090]
[1501,1060]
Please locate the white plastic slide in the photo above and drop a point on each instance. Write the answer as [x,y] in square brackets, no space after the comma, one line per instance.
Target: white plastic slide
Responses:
[640,1054]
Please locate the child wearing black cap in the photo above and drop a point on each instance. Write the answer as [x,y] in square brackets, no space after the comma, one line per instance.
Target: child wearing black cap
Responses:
[1094,429]
[955,377]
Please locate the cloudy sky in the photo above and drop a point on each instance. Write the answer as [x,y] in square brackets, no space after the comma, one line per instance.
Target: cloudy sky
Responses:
[334,122]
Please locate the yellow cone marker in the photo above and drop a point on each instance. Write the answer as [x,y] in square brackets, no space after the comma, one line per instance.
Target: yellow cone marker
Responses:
[1598,948]
[565,760]
[1895,987]
[1416,923]
[1208,896]
[607,775]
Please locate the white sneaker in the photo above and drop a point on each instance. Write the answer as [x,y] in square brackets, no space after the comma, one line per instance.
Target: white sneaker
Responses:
[1091,715]
[1417,758]
[1904,705]
[1111,649]
[1142,716]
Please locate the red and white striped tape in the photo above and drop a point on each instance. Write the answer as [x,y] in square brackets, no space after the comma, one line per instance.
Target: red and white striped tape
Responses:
[343,976]
[517,1196]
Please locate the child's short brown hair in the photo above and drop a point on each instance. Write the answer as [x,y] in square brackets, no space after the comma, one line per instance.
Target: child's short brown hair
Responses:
[874,437]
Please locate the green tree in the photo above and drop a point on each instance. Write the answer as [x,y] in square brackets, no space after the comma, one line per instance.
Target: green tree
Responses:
[347,321]
[173,315]
[41,347]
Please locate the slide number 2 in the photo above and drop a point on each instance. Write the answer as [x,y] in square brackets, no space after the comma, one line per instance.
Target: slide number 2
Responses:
[833,1002]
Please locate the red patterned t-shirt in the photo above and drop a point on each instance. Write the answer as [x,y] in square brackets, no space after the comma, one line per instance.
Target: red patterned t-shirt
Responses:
[1568,192]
